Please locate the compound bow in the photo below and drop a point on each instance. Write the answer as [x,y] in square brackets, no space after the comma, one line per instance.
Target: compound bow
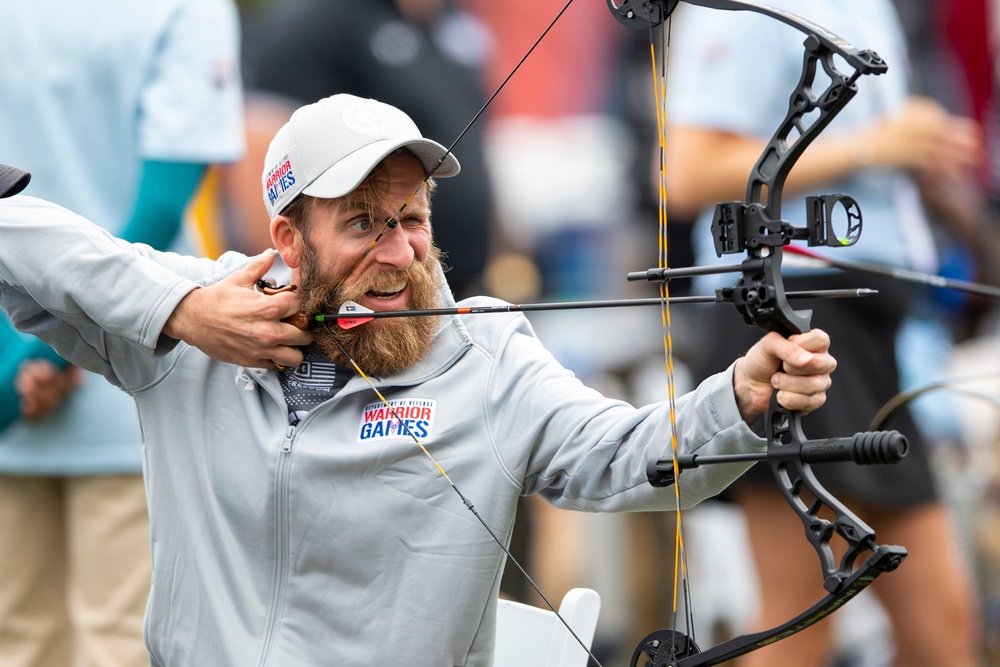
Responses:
[755,226]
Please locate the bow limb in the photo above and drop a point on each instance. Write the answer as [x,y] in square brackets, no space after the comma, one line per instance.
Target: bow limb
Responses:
[667,648]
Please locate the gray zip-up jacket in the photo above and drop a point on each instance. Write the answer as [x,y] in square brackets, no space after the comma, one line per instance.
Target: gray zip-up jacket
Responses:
[337,542]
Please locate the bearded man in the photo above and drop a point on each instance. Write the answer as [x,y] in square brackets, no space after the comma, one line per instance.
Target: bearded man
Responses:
[296,519]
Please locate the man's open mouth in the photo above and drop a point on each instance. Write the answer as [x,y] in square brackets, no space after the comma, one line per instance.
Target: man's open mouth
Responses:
[388,293]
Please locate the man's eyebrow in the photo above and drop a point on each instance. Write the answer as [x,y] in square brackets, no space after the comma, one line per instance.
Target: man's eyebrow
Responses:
[415,209]
[352,208]
[348,208]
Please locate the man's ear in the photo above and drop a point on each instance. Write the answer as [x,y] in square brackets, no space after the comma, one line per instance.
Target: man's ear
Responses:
[287,241]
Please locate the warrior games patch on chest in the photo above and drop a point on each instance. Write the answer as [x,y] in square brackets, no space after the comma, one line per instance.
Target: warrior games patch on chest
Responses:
[403,418]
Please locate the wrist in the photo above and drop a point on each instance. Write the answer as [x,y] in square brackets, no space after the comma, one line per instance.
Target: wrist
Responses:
[176,325]
[745,393]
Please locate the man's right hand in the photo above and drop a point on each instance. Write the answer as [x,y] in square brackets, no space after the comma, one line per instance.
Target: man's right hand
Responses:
[232,322]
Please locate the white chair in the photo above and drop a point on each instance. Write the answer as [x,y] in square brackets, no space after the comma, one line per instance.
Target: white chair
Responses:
[531,637]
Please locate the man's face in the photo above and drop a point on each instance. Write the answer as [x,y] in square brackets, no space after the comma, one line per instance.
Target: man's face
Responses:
[400,271]
[340,233]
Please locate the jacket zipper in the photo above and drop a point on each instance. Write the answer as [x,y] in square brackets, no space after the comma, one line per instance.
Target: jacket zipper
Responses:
[279,580]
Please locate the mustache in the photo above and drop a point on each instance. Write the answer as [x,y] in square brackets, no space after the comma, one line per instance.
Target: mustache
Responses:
[324,296]
[386,281]
[385,346]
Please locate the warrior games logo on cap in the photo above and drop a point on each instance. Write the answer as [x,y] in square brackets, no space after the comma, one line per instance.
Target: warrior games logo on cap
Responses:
[408,417]
[364,118]
[279,179]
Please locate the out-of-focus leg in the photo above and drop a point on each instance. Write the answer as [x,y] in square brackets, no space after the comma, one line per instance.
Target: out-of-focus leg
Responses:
[930,598]
[789,579]
[34,626]
[110,569]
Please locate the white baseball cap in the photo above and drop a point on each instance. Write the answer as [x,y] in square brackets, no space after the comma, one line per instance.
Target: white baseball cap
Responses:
[326,149]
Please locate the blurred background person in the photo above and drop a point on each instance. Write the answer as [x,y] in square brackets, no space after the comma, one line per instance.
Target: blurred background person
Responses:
[877,150]
[954,60]
[116,109]
[424,56]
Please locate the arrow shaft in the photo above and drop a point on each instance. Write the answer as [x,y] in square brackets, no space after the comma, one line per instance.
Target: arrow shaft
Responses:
[572,305]
[906,275]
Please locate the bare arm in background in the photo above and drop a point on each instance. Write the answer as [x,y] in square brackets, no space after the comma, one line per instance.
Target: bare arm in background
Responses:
[706,166]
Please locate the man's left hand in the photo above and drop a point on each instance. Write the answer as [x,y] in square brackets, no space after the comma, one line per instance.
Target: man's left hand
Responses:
[798,368]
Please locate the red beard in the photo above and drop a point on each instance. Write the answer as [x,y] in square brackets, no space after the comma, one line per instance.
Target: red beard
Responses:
[383,346]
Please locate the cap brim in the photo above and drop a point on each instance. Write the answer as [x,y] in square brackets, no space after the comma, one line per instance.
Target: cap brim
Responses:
[12,180]
[350,171]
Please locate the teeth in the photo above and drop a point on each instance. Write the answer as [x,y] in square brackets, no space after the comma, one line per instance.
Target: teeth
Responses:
[391,291]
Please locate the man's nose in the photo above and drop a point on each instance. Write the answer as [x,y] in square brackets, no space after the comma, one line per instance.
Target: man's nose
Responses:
[394,248]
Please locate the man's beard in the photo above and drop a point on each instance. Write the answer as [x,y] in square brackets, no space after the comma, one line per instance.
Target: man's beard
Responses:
[382,346]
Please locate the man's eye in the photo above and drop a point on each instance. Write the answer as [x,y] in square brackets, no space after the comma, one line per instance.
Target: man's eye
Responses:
[362,225]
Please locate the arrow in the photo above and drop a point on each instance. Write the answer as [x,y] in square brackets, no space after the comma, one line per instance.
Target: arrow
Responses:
[901,274]
[353,314]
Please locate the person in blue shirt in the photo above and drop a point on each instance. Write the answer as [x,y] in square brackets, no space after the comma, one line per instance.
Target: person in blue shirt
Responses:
[726,96]
[116,110]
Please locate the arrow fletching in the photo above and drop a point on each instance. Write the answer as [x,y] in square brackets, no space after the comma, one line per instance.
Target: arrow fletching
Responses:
[352,315]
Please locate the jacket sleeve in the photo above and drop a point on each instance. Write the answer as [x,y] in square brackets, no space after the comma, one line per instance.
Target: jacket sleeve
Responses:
[583,451]
[84,292]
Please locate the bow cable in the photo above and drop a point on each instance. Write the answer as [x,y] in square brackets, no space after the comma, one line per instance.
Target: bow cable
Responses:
[660,69]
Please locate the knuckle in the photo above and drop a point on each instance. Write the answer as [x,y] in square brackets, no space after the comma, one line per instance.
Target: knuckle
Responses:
[268,308]
[264,333]
[288,357]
